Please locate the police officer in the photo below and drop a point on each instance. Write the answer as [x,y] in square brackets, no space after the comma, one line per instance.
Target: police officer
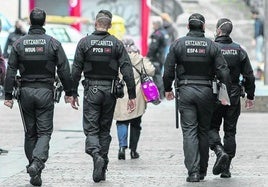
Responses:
[13,36]
[239,64]
[99,56]
[198,59]
[36,56]
[157,51]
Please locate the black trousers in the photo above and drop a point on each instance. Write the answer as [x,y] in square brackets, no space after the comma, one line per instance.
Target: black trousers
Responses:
[229,116]
[38,110]
[196,107]
[98,110]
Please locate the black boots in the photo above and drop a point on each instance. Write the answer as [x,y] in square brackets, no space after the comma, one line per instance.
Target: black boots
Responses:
[98,168]
[226,172]
[104,169]
[121,153]
[3,151]
[221,161]
[194,177]
[34,170]
[134,154]
[202,175]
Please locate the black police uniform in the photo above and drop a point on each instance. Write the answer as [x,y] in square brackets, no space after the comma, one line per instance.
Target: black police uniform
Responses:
[239,64]
[37,55]
[99,56]
[12,37]
[198,59]
[156,54]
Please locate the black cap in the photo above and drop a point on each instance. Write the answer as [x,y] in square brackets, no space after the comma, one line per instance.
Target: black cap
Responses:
[196,22]
[104,14]
[196,17]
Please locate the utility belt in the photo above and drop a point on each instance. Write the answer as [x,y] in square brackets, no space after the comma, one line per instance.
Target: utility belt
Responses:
[37,85]
[91,82]
[117,86]
[195,82]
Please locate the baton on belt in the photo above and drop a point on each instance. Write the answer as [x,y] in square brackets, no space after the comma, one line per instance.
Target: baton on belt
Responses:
[16,95]
[176,98]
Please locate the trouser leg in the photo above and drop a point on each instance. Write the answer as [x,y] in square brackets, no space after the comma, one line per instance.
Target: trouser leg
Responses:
[38,122]
[230,124]
[190,139]
[135,130]
[122,133]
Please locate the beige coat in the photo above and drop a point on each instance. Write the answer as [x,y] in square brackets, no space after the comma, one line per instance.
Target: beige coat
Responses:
[121,112]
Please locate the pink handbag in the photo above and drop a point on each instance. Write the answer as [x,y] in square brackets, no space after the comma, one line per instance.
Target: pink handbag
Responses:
[148,87]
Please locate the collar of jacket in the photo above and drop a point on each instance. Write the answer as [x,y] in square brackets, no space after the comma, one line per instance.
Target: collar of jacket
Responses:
[223,39]
[36,29]
[100,33]
[196,33]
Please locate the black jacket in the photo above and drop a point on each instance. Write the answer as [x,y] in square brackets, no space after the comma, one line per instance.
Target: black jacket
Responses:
[55,53]
[204,52]
[100,44]
[239,64]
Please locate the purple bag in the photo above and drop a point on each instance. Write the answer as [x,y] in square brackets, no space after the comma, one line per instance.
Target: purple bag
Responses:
[148,87]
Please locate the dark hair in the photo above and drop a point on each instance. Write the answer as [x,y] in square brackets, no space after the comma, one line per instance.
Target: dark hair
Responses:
[196,22]
[225,25]
[38,17]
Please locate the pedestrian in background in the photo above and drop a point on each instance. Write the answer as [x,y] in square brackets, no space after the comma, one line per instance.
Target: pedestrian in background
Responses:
[2,79]
[156,52]
[170,29]
[134,119]
[239,64]
[2,70]
[258,40]
[13,36]
[99,56]
[258,43]
[198,60]
[36,56]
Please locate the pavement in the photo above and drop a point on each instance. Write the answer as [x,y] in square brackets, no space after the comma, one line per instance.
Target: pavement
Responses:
[161,161]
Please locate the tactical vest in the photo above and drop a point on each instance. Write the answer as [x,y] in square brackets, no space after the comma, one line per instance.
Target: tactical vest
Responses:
[34,58]
[100,57]
[195,58]
[231,53]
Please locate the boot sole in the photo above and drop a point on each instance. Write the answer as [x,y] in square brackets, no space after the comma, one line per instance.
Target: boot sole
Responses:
[97,173]
[36,180]
[121,156]
[32,171]
[222,163]
[224,175]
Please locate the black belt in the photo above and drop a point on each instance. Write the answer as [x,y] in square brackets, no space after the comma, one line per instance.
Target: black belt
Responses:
[91,82]
[37,85]
[195,82]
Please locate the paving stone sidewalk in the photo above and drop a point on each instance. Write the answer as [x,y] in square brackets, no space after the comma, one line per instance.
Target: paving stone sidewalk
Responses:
[160,147]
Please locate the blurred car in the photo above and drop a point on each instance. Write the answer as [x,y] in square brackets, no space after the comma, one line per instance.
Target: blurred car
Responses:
[3,39]
[60,28]
[67,35]
[6,25]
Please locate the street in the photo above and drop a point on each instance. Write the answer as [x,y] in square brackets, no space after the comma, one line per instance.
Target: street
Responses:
[160,148]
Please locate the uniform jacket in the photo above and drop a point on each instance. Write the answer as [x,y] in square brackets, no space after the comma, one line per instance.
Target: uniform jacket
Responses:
[239,64]
[121,59]
[121,113]
[156,51]
[178,54]
[55,51]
